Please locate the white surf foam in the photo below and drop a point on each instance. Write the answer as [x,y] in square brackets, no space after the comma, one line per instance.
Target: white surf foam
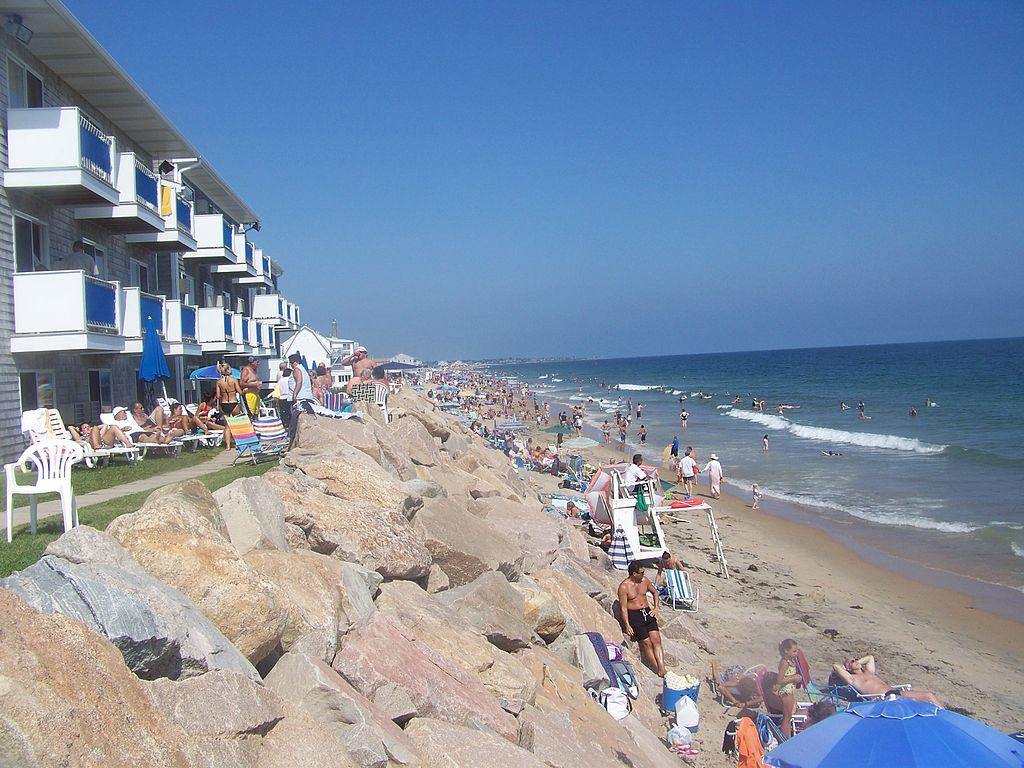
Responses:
[638,387]
[1018,550]
[874,515]
[724,407]
[826,435]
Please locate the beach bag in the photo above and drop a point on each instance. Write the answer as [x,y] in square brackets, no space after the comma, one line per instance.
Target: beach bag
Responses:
[625,677]
[614,652]
[616,702]
[641,500]
[679,736]
[687,715]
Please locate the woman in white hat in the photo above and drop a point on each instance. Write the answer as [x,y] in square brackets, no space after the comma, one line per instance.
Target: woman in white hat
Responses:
[714,472]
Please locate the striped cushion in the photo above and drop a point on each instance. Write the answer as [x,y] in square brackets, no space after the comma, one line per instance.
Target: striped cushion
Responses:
[270,429]
[242,430]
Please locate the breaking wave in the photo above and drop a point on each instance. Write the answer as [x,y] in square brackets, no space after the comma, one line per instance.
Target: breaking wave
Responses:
[826,435]
[638,387]
[874,515]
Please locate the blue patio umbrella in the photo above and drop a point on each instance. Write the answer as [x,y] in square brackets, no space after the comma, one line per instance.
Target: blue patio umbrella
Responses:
[209,373]
[153,365]
[898,732]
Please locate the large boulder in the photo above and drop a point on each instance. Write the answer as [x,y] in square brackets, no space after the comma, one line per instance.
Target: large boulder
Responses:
[582,612]
[494,609]
[684,627]
[226,715]
[301,741]
[455,446]
[349,474]
[418,444]
[380,539]
[253,514]
[552,739]
[311,586]
[463,545]
[386,663]
[447,745]
[158,630]
[181,547]
[440,627]
[371,738]
[540,610]
[366,435]
[69,700]
[537,534]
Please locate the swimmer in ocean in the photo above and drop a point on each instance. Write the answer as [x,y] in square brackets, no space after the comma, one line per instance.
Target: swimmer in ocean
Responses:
[843,406]
[831,453]
[913,411]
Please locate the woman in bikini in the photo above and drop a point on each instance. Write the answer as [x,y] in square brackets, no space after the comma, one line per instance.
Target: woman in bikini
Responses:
[229,395]
[787,683]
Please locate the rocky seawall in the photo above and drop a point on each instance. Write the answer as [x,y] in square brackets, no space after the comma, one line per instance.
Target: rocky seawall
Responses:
[390,595]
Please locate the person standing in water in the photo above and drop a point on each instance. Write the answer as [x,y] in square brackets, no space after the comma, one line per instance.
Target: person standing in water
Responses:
[764,443]
[642,434]
[683,416]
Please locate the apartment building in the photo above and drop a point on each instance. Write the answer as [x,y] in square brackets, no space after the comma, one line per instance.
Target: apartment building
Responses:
[109,216]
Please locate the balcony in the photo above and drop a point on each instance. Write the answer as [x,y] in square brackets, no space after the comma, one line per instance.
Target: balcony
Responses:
[271,307]
[182,327]
[243,264]
[58,153]
[175,234]
[260,274]
[138,206]
[215,330]
[66,311]
[215,240]
[137,308]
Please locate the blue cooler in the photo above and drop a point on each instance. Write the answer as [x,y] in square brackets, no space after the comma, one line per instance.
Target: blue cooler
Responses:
[669,697]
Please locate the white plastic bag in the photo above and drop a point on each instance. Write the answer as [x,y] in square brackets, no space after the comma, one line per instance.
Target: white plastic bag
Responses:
[687,715]
[679,735]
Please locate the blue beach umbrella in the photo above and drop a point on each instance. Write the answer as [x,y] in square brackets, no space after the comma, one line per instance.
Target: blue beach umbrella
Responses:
[153,365]
[910,734]
[209,373]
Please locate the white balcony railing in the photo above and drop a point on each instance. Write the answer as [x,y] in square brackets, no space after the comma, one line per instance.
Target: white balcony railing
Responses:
[139,306]
[65,310]
[182,323]
[60,153]
[177,220]
[215,239]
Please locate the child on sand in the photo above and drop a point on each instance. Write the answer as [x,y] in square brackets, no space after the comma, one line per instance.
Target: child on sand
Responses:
[757,497]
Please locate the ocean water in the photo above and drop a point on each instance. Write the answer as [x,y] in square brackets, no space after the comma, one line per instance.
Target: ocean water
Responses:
[944,488]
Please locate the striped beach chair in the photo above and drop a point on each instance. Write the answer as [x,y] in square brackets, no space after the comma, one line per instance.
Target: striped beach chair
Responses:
[681,593]
[248,442]
[270,430]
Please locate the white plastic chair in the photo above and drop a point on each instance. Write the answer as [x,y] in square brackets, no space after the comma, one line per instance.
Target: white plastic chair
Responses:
[52,461]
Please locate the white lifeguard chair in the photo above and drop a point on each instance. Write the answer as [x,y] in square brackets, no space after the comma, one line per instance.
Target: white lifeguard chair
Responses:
[673,514]
[611,503]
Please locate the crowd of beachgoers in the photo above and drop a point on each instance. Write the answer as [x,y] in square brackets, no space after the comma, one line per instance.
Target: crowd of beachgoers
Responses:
[537,436]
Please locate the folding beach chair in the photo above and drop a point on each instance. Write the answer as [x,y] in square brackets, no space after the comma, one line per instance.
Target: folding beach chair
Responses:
[270,430]
[680,591]
[766,680]
[247,441]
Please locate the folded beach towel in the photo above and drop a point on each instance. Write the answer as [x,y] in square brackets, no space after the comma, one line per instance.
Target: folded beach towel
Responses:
[601,648]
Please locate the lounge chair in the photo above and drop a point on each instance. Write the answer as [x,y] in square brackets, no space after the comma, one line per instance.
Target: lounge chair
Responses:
[373,392]
[56,430]
[247,441]
[680,591]
[131,428]
[766,679]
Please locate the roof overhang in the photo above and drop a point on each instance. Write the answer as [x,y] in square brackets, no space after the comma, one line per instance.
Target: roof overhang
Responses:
[61,42]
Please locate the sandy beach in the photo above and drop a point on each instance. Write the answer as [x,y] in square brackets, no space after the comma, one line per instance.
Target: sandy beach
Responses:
[793,580]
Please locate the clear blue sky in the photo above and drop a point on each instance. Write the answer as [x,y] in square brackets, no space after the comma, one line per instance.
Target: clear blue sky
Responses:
[517,178]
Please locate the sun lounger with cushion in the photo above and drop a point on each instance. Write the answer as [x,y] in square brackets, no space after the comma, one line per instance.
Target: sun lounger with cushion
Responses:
[48,424]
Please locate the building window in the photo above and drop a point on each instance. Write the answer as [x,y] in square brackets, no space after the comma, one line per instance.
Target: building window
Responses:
[29,244]
[100,389]
[24,87]
[36,389]
[140,275]
[98,256]
[190,290]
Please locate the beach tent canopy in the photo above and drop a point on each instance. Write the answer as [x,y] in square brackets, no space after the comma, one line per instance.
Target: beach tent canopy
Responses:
[209,373]
[153,365]
[910,734]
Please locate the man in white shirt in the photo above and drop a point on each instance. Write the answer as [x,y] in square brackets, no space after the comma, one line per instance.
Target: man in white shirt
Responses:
[688,471]
[635,473]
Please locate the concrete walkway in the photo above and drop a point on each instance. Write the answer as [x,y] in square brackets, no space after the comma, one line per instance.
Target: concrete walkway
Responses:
[45,509]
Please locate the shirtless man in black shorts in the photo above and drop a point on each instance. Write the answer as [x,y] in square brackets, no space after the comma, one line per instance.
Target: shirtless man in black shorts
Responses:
[638,619]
